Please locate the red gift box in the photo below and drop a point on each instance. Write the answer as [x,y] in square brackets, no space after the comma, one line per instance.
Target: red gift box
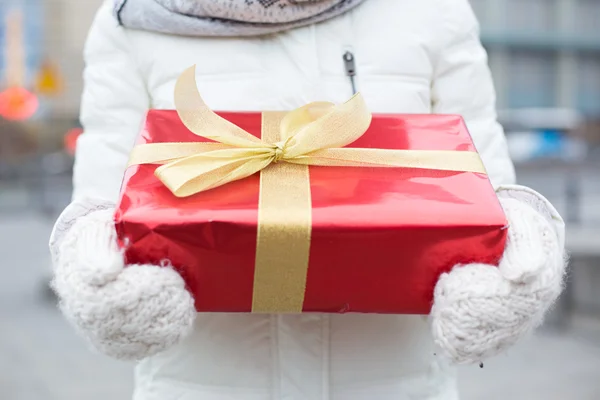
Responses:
[380,237]
[322,209]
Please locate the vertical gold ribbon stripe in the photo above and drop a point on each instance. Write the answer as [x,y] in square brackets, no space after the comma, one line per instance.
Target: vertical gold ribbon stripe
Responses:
[284,232]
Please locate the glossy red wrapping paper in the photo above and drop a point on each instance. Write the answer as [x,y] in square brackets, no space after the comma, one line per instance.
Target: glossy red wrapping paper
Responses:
[380,239]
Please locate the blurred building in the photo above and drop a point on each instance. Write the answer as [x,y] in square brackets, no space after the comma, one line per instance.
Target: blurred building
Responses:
[55,32]
[543,53]
[66,23]
[31,152]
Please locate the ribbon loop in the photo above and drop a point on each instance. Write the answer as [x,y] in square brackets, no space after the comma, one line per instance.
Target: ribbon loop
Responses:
[200,119]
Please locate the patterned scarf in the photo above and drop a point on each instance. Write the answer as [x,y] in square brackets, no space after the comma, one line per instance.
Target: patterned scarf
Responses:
[226,17]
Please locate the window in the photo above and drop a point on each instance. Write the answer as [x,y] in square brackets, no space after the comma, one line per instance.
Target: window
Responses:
[532,79]
[531,15]
[587,17]
[588,91]
[32,15]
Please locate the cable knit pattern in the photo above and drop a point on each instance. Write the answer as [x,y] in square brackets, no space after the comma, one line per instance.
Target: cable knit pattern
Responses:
[69,216]
[230,18]
[481,310]
[125,312]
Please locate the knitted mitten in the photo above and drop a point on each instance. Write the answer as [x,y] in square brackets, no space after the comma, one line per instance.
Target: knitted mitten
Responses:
[480,310]
[126,312]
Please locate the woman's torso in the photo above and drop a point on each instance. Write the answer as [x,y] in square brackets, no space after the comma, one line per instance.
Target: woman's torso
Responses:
[307,357]
[392,41]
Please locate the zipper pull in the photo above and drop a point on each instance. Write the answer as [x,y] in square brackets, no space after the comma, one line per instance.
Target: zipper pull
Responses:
[350,65]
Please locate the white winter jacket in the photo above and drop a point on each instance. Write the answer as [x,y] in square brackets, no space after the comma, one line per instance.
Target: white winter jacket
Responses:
[410,57]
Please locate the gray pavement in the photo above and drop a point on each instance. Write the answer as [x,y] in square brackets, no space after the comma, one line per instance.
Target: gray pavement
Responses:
[41,358]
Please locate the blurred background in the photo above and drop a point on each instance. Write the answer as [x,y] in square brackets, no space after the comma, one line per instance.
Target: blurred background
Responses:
[545,58]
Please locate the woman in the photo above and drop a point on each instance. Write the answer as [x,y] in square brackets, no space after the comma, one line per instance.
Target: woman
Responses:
[404,56]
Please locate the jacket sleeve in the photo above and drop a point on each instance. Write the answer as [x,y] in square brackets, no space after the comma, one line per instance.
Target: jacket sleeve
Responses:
[113,107]
[462,84]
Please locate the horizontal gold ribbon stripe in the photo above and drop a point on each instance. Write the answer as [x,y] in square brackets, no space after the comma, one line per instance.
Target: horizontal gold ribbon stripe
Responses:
[444,160]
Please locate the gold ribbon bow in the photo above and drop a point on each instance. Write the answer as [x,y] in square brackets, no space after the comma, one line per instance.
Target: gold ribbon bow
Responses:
[311,135]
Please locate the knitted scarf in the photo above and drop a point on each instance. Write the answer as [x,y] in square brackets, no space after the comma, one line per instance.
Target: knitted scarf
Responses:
[226,17]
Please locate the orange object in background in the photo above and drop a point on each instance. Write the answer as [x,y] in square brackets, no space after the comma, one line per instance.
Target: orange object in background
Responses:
[70,140]
[17,104]
[48,82]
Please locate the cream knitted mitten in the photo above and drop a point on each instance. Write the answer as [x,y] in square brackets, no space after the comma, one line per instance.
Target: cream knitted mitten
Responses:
[481,310]
[125,312]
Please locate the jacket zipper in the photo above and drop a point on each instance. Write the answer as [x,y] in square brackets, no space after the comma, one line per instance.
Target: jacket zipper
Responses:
[350,65]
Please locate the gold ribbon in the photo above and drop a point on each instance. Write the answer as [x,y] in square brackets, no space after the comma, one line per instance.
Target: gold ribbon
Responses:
[311,135]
